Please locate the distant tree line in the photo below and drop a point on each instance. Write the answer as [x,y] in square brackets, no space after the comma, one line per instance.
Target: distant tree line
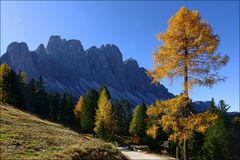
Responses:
[94,113]
[32,96]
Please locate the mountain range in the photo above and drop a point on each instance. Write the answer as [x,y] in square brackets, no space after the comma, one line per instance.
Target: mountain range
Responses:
[66,67]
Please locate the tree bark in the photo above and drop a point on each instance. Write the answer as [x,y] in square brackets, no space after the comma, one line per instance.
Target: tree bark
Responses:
[186,150]
[177,153]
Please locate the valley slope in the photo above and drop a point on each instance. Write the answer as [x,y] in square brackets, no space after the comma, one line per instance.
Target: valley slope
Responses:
[25,136]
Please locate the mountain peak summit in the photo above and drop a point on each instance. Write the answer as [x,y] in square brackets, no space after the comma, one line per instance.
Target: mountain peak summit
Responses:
[21,48]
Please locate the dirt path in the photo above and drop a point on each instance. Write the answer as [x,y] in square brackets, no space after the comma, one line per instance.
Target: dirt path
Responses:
[134,155]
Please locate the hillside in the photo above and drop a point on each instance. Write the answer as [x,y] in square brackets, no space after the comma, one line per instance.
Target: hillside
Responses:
[25,136]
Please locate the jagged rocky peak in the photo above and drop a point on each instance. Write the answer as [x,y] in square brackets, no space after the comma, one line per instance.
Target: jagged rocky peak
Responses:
[92,49]
[74,46]
[55,43]
[132,63]
[111,47]
[41,50]
[112,52]
[66,67]
[17,48]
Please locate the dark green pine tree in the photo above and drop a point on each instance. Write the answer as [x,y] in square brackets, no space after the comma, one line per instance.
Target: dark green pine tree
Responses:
[22,77]
[30,96]
[87,119]
[138,122]
[195,146]
[212,107]
[53,102]
[62,108]
[69,116]
[216,143]
[41,97]
[122,112]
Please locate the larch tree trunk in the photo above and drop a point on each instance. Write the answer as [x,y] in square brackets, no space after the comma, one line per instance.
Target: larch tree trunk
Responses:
[186,150]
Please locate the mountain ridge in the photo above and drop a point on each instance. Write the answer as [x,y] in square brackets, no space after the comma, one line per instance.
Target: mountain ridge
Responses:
[67,67]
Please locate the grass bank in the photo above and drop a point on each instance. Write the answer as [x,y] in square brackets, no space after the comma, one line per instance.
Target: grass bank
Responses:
[25,136]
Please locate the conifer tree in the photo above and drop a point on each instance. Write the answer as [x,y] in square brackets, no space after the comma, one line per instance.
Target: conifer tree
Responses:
[105,116]
[62,108]
[138,123]
[52,105]
[4,86]
[41,97]
[22,78]
[31,97]
[122,112]
[78,108]
[212,107]
[53,101]
[4,71]
[10,86]
[87,118]
[69,116]
[104,87]
[189,51]
[216,143]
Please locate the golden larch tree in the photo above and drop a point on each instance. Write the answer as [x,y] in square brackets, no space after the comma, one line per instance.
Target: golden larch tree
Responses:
[105,124]
[78,108]
[188,50]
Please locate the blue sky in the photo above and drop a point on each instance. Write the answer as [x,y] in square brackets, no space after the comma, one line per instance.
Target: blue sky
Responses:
[132,26]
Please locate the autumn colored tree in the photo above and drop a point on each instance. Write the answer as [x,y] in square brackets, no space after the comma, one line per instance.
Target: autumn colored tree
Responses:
[188,50]
[10,86]
[105,118]
[78,108]
[4,71]
[138,123]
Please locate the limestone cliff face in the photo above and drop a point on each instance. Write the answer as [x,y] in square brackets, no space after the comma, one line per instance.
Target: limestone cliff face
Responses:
[67,67]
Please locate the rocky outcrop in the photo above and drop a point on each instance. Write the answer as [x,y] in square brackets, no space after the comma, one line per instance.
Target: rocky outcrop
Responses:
[67,67]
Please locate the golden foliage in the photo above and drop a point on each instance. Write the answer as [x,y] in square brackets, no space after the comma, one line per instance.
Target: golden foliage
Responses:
[188,44]
[78,108]
[173,118]
[152,131]
[4,68]
[105,113]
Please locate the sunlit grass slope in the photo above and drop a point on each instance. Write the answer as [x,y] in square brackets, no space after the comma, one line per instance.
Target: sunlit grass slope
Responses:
[25,136]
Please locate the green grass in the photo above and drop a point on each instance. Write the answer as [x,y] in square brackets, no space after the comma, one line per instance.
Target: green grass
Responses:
[25,136]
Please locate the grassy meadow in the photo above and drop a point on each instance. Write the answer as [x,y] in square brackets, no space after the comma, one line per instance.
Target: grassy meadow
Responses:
[25,136]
